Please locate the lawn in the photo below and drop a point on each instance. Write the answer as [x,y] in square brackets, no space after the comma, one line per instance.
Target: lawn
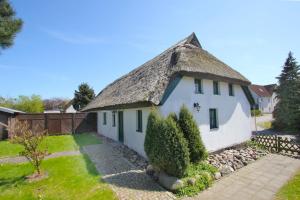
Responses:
[53,143]
[291,190]
[71,177]
[266,125]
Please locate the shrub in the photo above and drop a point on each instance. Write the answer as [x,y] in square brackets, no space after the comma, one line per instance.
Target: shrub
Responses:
[31,140]
[192,134]
[165,145]
[256,112]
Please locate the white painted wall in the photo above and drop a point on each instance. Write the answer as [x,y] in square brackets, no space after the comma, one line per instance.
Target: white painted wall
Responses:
[233,116]
[70,109]
[132,138]
[233,112]
[265,104]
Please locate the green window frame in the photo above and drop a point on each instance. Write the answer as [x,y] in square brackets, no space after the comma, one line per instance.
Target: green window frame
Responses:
[113,118]
[139,121]
[230,89]
[198,86]
[104,118]
[213,118]
[216,88]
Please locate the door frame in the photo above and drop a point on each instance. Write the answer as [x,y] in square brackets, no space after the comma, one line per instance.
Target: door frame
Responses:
[121,126]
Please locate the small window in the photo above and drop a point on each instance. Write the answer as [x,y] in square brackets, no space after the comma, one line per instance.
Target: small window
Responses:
[216,88]
[213,118]
[230,88]
[139,121]
[113,118]
[104,118]
[198,86]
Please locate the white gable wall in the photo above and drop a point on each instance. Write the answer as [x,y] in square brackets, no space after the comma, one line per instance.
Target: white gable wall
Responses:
[233,112]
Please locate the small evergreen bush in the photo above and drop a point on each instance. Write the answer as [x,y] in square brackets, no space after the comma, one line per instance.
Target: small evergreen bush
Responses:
[165,145]
[191,133]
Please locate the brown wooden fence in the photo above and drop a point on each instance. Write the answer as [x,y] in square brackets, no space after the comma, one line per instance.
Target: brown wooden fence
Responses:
[278,144]
[61,123]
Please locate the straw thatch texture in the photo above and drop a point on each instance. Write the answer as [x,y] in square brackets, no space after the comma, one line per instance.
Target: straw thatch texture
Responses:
[147,83]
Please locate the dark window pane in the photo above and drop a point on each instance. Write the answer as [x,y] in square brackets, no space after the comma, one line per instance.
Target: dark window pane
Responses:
[139,117]
[213,118]
[198,86]
[231,92]
[216,87]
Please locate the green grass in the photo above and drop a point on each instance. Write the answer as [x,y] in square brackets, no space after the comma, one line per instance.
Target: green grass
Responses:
[71,177]
[53,143]
[266,125]
[291,190]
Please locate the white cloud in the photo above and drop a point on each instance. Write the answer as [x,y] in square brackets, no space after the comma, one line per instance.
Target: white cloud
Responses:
[74,38]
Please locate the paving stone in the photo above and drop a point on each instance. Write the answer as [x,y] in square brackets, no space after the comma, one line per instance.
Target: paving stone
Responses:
[260,180]
[127,180]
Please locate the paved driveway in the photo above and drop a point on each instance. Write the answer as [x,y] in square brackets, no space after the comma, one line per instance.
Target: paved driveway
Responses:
[126,180]
[259,180]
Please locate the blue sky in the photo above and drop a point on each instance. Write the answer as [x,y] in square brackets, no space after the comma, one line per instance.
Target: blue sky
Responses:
[66,42]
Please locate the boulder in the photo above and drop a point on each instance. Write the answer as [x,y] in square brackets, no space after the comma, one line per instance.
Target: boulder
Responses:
[169,182]
[191,181]
[217,175]
[150,170]
[225,169]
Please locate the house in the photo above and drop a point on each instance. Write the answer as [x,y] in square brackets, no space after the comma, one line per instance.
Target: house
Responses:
[264,97]
[5,114]
[69,108]
[217,95]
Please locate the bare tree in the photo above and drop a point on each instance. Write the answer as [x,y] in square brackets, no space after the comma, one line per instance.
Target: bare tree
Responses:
[31,139]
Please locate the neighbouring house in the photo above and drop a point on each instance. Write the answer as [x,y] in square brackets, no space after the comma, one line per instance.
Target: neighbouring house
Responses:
[69,108]
[52,111]
[264,97]
[217,95]
[5,114]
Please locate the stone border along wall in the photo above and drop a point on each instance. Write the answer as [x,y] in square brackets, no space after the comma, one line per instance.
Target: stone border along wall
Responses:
[230,160]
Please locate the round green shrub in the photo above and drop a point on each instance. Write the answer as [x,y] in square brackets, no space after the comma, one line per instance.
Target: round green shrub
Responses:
[191,133]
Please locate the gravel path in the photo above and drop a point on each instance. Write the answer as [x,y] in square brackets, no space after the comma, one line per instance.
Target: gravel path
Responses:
[259,180]
[22,159]
[128,181]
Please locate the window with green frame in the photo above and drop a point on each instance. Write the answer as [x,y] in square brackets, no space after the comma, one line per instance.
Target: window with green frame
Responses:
[216,87]
[139,121]
[113,118]
[213,118]
[198,86]
[104,118]
[230,89]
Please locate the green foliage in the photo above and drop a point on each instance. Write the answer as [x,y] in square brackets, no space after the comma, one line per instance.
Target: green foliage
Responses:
[165,145]
[9,24]
[204,178]
[191,133]
[291,190]
[84,95]
[53,144]
[256,112]
[70,177]
[287,110]
[32,104]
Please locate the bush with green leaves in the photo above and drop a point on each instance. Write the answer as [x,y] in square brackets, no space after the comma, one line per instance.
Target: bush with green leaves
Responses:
[165,145]
[191,133]
[255,112]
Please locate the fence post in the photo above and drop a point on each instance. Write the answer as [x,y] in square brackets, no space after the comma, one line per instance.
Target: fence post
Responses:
[73,123]
[46,121]
[278,144]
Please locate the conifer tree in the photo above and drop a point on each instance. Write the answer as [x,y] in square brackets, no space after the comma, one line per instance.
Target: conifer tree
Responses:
[287,110]
[9,24]
[84,95]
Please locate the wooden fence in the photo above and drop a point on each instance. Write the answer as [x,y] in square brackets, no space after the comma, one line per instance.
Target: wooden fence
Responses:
[278,144]
[61,123]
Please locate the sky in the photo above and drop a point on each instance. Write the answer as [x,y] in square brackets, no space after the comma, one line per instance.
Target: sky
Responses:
[66,42]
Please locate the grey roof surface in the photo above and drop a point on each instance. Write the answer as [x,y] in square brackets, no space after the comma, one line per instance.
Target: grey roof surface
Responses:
[9,110]
[148,82]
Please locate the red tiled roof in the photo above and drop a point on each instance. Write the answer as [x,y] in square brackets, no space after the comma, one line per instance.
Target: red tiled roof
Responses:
[260,90]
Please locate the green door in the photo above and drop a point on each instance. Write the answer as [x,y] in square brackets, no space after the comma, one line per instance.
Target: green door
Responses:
[121,126]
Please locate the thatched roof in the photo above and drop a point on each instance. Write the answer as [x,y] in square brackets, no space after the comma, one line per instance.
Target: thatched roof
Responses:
[147,84]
